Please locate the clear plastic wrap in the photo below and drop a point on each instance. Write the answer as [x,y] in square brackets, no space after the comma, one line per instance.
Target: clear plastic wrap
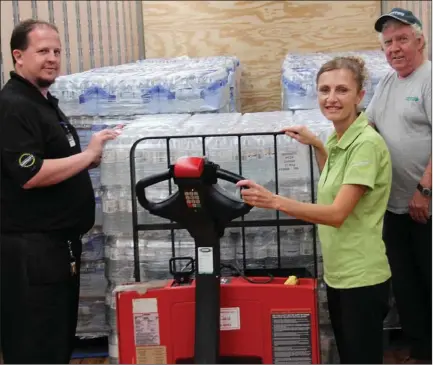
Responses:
[298,78]
[91,319]
[92,279]
[93,245]
[178,85]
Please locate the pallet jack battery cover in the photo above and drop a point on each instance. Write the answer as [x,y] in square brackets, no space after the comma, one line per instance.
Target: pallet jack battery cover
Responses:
[203,318]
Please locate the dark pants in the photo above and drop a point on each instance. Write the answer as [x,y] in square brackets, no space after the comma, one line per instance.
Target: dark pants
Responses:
[357,317]
[39,298]
[409,250]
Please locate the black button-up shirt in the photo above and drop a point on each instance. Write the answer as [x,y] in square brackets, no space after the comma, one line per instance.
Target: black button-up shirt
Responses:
[33,129]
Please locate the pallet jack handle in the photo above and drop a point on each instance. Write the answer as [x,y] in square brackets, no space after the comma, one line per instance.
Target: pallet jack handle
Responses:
[204,209]
[197,179]
[145,183]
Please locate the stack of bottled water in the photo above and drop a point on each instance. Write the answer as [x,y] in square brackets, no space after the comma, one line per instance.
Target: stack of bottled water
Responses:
[105,97]
[155,98]
[179,85]
[299,71]
[91,311]
[257,163]
[230,63]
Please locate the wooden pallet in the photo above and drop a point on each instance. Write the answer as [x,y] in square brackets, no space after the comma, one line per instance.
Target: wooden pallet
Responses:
[94,360]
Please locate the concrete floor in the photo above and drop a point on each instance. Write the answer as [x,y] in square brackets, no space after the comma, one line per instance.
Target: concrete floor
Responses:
[391,357]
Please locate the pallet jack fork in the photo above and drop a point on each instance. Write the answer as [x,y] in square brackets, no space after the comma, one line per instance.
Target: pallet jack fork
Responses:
[204,209]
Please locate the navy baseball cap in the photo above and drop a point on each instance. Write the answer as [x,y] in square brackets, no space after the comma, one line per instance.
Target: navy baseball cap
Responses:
[402,15]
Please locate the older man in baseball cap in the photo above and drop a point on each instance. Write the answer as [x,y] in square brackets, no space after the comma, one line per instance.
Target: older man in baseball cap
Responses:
[402,15]
[401,111]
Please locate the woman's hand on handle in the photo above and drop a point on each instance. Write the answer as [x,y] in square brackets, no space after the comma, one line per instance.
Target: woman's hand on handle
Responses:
[302,134]
[256,195]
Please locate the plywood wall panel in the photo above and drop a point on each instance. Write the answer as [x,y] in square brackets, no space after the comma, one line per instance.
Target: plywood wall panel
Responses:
[93,33]
[7,25]
[260,33]
[43,10]
[123,46]
[95,9]
[85,30]
[133,30]
[73,59]
[106,36]
[115,33]
[25,11]
[125,30]
[60,24]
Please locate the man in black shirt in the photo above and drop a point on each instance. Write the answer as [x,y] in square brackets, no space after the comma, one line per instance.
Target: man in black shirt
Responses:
[47,203]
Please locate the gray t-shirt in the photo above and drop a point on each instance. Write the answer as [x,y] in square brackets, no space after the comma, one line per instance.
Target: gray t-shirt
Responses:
[401,110]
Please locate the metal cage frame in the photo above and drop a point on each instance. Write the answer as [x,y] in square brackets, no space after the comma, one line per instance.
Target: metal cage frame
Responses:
[243,223]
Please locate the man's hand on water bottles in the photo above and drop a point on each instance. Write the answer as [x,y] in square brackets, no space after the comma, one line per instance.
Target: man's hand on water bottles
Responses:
[97,142]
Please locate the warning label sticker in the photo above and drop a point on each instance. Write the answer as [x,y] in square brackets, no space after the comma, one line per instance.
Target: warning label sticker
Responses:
[151,355]
[146,326]
[145,305]
[230,319]
[205,260]
[291,338]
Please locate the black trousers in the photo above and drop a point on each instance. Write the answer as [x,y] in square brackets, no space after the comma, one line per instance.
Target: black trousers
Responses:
[39,298]
[409,250]
[357,317]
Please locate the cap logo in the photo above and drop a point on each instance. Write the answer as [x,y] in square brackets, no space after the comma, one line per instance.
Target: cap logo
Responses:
[397,13]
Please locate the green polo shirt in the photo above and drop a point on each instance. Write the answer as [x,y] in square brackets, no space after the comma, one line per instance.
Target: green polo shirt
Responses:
[354,254]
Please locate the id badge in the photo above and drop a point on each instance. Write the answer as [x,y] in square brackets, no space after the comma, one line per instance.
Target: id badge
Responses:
[70,139]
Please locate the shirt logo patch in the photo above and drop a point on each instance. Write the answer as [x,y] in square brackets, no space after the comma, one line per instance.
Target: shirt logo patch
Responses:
[361,163]
[412,98]
[26,160]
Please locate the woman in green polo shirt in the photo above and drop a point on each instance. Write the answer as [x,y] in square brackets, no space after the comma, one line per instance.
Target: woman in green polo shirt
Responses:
[353,192]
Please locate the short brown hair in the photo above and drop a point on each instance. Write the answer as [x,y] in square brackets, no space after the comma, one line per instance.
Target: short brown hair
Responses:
[19,38]
[352,63]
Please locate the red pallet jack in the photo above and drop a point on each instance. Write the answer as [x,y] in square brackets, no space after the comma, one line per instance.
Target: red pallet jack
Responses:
[203,318]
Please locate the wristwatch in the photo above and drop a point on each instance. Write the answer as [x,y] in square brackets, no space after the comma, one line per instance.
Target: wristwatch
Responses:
[424,191]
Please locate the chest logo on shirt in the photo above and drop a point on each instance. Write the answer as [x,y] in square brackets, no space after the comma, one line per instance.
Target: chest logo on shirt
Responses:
[412,98]
[26,160]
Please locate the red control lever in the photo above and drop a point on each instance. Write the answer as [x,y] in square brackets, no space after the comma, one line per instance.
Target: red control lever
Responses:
[189,167]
